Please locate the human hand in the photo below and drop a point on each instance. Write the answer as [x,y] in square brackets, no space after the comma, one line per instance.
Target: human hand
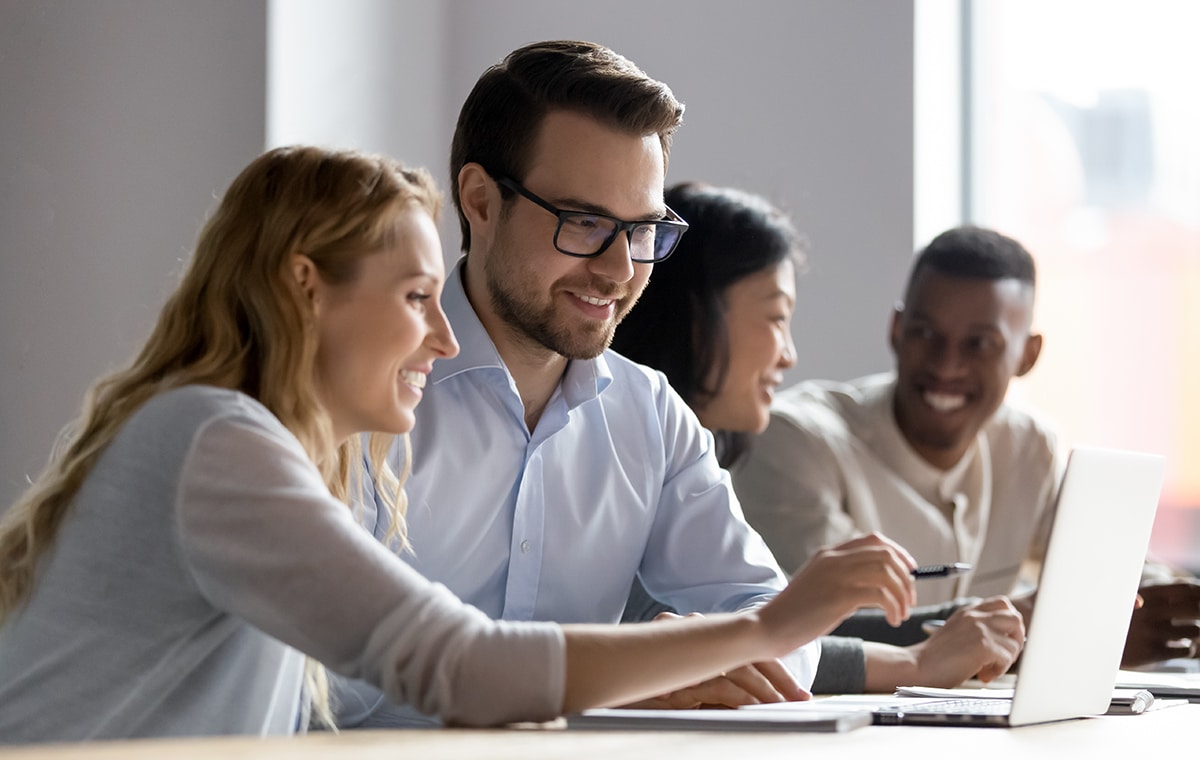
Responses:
[980,640]
[1024,603]
[1165,625]
[868,571]
[760,682]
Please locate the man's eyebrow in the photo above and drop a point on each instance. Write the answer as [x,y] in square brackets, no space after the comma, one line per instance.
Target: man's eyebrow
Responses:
[574,204]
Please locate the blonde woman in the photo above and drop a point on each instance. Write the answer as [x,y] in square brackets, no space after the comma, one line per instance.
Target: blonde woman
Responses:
[172,568]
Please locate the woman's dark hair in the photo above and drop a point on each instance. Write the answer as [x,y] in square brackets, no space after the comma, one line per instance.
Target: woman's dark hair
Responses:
[678,325]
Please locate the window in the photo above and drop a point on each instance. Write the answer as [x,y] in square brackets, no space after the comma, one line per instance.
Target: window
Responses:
[1081,141]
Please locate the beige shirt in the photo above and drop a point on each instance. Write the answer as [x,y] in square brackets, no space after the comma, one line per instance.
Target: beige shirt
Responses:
[833,464]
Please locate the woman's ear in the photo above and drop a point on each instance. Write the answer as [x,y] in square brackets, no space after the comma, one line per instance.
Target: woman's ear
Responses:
[304,271]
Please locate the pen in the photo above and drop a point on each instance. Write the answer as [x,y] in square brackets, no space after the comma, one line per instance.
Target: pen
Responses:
[929,627]
[941,571]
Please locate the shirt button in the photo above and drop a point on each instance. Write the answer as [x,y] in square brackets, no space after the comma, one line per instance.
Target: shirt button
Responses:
[525,546]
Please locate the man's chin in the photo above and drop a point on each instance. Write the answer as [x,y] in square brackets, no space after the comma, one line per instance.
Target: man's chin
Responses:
[588,346]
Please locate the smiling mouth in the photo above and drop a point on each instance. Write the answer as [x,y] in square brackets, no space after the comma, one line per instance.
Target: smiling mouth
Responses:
[415,379]
[593,300]
[944,402]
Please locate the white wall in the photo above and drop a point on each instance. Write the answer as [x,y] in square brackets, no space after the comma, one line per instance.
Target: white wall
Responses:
[122,120]
[806,101]
[119,122]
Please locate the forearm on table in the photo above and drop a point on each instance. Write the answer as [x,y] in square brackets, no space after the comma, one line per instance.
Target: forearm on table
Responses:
[616,665]
[887,667]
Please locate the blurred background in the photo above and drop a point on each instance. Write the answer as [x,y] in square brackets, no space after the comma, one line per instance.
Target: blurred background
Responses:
[1068,124]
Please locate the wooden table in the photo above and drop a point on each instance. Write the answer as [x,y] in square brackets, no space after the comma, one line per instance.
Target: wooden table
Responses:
[1176,729]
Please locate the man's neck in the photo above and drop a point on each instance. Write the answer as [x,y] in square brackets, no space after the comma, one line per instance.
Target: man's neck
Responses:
[535,369]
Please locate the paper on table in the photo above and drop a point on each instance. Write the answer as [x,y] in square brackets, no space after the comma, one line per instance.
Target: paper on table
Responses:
[718,720]
[930,691]
[1186,685]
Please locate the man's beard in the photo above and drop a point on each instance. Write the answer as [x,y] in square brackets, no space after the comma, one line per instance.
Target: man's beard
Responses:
[542,325]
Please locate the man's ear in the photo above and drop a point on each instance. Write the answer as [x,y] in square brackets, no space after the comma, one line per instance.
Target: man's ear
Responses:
[479,198]
[894,327]
[1029,357]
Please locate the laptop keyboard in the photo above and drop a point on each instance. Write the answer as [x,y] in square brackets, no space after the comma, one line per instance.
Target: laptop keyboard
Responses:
[972,706]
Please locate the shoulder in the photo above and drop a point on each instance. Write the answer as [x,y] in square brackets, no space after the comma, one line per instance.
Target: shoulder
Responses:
[827,408]
[639,398]
[637,384]
[204,402]
[1018,434]
[185,412]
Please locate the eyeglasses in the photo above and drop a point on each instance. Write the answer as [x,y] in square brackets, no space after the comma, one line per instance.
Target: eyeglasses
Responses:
[585,234]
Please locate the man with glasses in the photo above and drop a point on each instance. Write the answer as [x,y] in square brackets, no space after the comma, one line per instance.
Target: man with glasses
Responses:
[547,472]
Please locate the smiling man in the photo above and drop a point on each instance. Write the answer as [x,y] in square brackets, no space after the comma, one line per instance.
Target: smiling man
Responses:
[547,472]
[926,454]
[931,455]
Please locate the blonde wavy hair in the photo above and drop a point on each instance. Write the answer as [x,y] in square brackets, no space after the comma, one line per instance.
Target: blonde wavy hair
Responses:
[238,320]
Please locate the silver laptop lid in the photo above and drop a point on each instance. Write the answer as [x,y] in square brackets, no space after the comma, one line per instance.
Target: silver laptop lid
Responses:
[1101,532]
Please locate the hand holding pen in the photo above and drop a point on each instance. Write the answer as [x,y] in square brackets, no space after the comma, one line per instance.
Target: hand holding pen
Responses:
[939,571]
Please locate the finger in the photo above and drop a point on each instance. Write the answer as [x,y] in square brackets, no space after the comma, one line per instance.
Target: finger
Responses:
[888,583]
[721,692]
[753,682]
[667,616]
[991,672]
[782,680]
[993,604]
[1009,623]
[858,543]
[904,590]
[906,560]
[1007,649]
[891,601]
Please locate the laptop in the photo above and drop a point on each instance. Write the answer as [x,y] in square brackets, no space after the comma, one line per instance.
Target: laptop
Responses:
[1089,578]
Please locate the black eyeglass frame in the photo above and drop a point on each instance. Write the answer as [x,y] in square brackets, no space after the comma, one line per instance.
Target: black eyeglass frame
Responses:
[674,221]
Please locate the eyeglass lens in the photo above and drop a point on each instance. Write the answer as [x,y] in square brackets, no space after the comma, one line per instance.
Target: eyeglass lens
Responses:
[585,234]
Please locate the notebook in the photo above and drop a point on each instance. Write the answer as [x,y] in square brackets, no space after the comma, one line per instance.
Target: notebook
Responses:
[1178,685]
[833,721]
[1089,578]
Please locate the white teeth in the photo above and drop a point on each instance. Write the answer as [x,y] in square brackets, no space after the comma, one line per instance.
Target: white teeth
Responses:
[416,379]
[945,402]
[594,301]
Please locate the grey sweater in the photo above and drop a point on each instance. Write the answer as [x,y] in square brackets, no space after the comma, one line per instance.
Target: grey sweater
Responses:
[201,556]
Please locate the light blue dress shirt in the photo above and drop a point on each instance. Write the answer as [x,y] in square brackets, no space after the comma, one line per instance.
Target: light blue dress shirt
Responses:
[618,478]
